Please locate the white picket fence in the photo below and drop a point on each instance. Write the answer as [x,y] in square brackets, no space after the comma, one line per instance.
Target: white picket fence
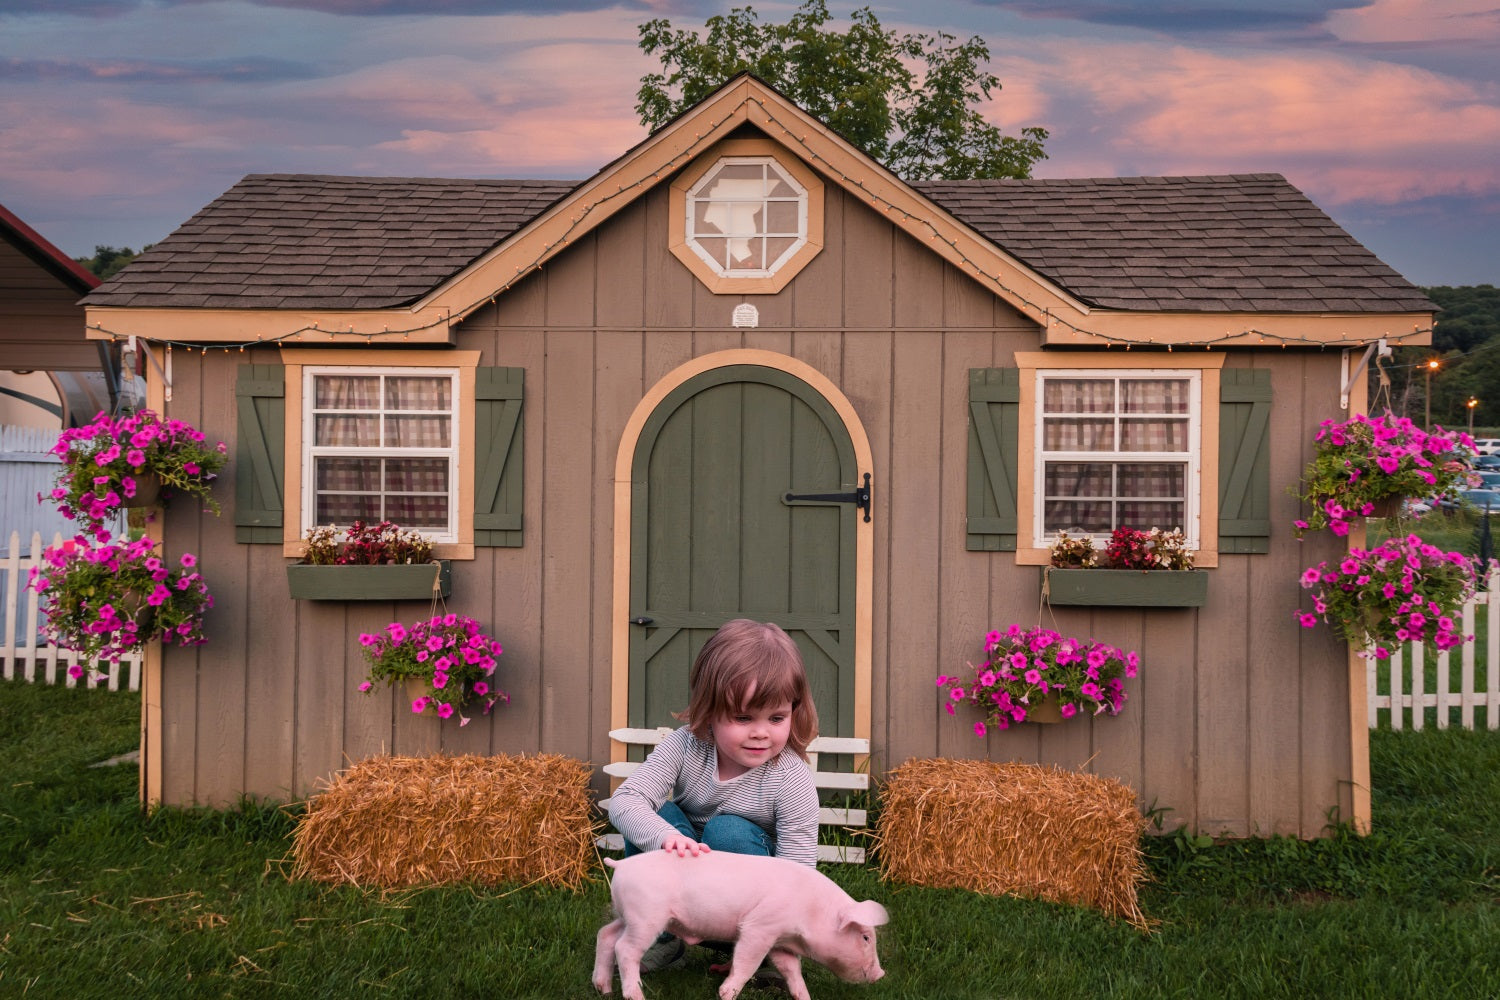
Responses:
[1406,695]
[26,653]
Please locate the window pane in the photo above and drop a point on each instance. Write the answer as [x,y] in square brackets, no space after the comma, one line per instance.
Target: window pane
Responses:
[417,393]
[741,173]
[1078,479]
[347,432]
[346,508]
[1141,514]
[416,432]
[1152,395]
[781,218]
[1078,395]
[1078,517]
[1152,479]
[416,475]
[776,247]
[346,392]
[717,249]
[348,489]
[779,188]
[1153,435]
[745,253]
[1062,434]
[417,512]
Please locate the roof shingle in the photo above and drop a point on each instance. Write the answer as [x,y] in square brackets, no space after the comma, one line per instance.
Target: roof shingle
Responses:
[1221,243]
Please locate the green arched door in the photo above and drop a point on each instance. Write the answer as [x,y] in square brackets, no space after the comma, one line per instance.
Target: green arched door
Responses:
[713,535]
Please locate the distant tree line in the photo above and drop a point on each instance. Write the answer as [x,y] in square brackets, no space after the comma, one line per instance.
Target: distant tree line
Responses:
[1466,345]
[107,261]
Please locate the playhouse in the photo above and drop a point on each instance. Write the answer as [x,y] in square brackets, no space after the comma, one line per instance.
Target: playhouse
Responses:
[744,371]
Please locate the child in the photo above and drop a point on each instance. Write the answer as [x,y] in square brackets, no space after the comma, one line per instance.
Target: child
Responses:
[722,782]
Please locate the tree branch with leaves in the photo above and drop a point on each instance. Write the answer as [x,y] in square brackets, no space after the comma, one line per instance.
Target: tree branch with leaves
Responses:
[858,81]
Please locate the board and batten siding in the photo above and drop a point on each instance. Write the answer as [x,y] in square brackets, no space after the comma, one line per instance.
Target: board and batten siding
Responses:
[1238,722]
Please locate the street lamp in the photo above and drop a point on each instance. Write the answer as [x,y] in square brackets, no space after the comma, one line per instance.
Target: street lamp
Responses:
[1432,366]
[1471,404]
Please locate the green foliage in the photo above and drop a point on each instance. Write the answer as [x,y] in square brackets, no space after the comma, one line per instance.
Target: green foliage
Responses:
[1466,342]
[99,899]
[107,261]
[854,80]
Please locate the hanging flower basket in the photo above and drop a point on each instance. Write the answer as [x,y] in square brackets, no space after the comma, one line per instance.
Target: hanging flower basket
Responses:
[1039,675]
[443,664]
[1403,590]
[114,463]
[1364,467]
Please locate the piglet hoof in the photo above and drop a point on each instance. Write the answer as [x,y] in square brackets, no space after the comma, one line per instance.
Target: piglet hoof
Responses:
[603,983]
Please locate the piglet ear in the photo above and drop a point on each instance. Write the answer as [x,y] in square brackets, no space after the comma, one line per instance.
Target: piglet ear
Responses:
[866,912]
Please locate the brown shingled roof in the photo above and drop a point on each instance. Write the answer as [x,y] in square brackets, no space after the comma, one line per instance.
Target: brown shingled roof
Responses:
[1212,244]
[1248,242]
[306,241]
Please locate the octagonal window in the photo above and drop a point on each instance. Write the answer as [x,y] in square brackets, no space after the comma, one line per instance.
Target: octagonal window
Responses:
[746,217]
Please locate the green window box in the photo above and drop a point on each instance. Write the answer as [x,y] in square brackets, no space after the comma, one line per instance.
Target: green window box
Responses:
[1128,588]
[404,582]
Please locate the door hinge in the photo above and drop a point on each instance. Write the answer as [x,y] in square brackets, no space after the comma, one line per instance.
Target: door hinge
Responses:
[860,497]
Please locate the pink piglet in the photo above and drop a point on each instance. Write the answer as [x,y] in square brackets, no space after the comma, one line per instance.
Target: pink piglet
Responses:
[766,906]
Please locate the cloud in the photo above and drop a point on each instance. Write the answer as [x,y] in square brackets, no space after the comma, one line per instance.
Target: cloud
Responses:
[1219,17]
[121,71]
[1407,22]
[1344,128]
[354,8]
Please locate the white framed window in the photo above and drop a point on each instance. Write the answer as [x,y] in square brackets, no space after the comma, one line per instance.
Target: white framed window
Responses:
[381,444]
[1117,448]
[746,217]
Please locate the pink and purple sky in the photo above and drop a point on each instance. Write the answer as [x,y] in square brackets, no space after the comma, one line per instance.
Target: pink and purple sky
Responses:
[121,118]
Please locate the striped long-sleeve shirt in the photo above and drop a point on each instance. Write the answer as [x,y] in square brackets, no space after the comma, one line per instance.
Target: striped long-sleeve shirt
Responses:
[778,796]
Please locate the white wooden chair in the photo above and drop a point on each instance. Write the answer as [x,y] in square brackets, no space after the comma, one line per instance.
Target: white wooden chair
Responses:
[827,817]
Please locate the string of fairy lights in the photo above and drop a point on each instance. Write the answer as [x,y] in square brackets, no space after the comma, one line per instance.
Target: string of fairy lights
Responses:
[918,224]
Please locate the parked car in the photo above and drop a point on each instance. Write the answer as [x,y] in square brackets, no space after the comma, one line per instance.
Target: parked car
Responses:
[1486,500]
[1486,462]
[1488,480]
[1487,446]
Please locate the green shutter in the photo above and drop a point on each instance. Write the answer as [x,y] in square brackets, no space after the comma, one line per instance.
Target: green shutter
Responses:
[1245,460]
[260,453]
[994,420]
[498,429]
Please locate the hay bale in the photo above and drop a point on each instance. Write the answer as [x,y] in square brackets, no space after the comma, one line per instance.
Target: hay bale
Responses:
[1022,829]
[408,821]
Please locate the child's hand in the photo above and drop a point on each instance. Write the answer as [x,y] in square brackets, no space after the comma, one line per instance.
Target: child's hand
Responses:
[684,845]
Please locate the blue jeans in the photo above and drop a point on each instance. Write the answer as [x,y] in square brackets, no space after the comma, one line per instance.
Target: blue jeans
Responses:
[734,834]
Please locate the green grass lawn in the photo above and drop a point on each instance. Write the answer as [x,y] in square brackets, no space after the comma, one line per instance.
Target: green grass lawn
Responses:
[100,900]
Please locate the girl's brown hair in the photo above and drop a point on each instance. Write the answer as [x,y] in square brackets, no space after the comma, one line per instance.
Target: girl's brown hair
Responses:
[744,666]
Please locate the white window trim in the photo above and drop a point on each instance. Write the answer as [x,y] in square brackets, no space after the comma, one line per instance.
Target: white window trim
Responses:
[1192,526]
[452,453]
[695,194]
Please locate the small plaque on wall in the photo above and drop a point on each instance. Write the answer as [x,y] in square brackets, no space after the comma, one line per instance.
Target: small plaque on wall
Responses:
[746,314]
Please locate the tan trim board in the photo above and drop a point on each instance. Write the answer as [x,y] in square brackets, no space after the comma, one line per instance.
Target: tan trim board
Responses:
[1237,329]
[864,542]
[151,773]
[291,328]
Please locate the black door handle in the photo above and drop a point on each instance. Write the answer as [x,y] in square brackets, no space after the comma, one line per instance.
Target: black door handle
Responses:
[642,620]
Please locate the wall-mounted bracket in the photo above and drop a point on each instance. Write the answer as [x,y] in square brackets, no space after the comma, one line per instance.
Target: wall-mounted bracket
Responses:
[1348,378]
